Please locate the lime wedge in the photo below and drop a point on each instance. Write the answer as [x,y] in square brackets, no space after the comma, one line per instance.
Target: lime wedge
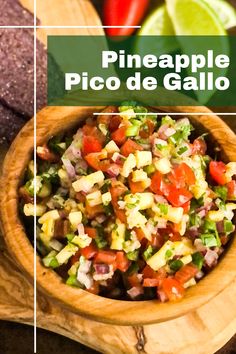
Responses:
[158,23]
[194,18]
[225,11]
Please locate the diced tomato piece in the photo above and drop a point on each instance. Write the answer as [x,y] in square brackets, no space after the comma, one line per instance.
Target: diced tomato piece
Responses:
[182,175]
[94,288]
[91,144]
[231,186]
[93,211]
[122,262]
[134,280]
[178,196]
[175,236]
[172,288]
[94,160]
[75,258]
[114,123]
[89,251]
[117,190]
[186,273]
[217,171]
[186,206]
[158,186]
[80,197]
[45,154]
[139,232]
[149,282]
[136,187]
[119,136]
[148,272]
[90,231]
[199,146]
[129,147]
[145,133]
[92,130]
[107,257]
[105,118]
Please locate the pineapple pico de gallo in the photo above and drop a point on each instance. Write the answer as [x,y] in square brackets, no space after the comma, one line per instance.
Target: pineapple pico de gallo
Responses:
[129,207]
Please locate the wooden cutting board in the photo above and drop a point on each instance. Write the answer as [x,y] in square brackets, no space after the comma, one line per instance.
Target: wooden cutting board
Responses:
[201,332]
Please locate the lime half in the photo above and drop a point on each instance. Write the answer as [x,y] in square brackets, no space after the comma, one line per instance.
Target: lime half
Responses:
[194,18]
[158,23]
[225,11]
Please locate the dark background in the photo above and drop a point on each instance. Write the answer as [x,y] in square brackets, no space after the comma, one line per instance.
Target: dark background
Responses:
[18,339]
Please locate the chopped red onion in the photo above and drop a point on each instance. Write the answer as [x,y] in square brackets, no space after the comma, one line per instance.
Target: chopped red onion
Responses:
[85,279]
[162,130]
[135,291]
[169,132]
[202,213]
[193,232]
[160,199]
[199,275]
[85,266]
[162,295]
[69,167]
[81,229]
[211,258]
[220,226]
[113,170]
[101,218]
[102,268]
[199,245]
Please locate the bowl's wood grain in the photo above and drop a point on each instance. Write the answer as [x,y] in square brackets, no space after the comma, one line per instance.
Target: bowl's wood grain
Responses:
[51,121]
[202,331]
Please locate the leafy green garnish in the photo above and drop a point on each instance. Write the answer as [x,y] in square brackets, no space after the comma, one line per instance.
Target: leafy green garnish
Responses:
[132,256]
[148,253]
[100,240]
[182,150]
[176,265]
[228,226]
[198,259]
[168,254]
[163,208]
[221,192]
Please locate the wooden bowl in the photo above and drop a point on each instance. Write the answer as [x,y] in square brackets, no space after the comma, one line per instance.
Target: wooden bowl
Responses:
[51,121]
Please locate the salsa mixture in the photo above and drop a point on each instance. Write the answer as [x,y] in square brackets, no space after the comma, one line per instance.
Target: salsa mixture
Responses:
[130,206]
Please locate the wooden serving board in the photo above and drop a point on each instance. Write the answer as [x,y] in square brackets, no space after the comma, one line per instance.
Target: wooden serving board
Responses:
[202,331]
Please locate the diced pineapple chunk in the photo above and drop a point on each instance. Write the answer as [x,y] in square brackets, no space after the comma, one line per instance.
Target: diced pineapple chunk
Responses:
[48,227]
[128,166]
[136,219]
[189,283]
[230,170]
[86,183]
[52,214]
[128,114]
[216,215]
[163,165]
[118,236]
[68,251]
[140,200]
[159,259]
[29,209]
[184,247]
[143,158]
[139,176]
[178,248]
[111,147]
[106,198]
[82,240]
[94,198]
[75,218]
[174,214]
[186,259]
[199,188]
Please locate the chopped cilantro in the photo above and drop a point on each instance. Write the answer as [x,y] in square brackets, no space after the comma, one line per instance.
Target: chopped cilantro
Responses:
[221,192]
[198,259]
[176,265]
[132,256]
[148,252]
